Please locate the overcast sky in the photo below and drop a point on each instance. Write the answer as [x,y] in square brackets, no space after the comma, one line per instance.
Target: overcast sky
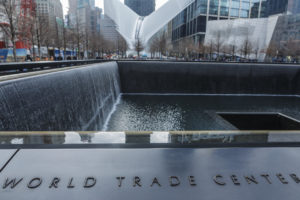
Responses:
[99,3]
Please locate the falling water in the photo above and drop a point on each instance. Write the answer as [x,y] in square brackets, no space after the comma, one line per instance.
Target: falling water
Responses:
[70,100]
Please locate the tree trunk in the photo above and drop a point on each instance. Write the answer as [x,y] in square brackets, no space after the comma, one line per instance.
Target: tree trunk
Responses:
[14,51]
[13,37]
[33,50]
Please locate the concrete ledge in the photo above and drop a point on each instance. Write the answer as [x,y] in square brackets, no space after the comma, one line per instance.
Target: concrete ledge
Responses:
[36,73]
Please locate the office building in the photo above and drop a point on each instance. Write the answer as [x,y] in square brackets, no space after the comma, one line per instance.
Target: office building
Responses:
[294,7]
[141,7]
[108,29]
[50,12]
[192,21]
[85,14]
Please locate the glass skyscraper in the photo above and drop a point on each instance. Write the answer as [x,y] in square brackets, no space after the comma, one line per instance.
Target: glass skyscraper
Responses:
[192,21]
[294,7]
[141,7]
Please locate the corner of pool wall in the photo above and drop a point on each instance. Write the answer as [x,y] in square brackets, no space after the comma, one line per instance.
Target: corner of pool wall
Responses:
[83,99]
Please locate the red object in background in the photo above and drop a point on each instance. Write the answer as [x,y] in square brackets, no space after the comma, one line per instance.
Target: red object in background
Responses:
[20,45]
[2,45]
[27,13]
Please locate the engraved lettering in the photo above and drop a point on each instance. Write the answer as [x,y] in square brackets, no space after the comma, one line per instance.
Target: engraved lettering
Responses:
[70,185]
[267,177]
[295,178]
[90,182]
[192,181]
[137,182]
[251,179]
[218,181]
[155,181]
[120,179]
[34,183]
[235,180]
[54,183]
[12,183]
[282,179]
[174,181]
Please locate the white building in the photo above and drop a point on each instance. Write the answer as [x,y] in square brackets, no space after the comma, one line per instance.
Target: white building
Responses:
[258,32]
[130,25]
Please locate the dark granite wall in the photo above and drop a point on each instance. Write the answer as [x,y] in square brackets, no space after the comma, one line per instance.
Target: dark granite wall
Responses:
[77,99]
[209,78]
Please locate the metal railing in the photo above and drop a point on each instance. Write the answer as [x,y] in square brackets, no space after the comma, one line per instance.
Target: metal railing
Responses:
[27,66]
[18,67]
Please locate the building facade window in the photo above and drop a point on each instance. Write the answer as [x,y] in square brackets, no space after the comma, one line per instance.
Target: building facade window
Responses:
[255,8]
[224,7]
[192,21]
[213,7]
[201,6]
[245,9]
[235,8]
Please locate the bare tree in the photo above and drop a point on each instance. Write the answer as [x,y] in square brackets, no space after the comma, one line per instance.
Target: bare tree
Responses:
[272,50]
[187,48]
[11,27]
[162,44]
[256,49]
[233,50]
[123,46]
[78,34]
[58,34]
[64,38]
[100,44]
[94,45]
[154,46]
[158,45]
[225,50]
[87,36]
[246,48]
[202,50]
[211,49]
[139,46]
[43,32]
[292,48]
[33,38]
[218,43]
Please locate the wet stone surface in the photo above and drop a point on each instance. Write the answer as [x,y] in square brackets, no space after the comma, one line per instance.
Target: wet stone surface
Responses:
[194,112]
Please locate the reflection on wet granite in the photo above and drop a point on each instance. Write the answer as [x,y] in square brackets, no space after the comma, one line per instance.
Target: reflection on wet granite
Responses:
[201,138]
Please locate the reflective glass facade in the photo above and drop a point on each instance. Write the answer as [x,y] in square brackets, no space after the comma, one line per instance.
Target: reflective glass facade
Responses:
[141,7]
[294,6]
[192,21]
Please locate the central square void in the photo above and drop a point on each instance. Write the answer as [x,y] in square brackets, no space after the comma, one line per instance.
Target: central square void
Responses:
[261,121]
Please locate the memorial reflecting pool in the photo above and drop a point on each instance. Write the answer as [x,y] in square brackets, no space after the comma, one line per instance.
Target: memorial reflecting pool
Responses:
[194,112]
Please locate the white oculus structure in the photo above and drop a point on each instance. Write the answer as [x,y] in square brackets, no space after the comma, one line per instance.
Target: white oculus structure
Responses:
[132,26]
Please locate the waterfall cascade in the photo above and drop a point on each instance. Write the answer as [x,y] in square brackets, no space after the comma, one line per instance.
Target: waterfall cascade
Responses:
[71,100]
